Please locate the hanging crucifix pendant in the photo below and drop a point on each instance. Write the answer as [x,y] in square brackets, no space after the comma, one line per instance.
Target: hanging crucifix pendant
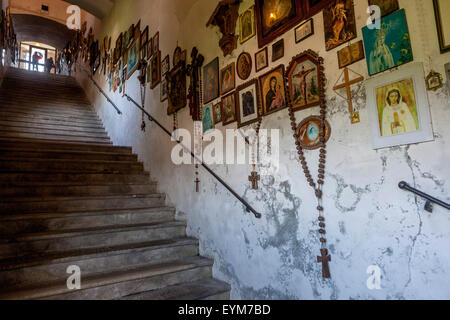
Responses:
[324,259]
[254,178]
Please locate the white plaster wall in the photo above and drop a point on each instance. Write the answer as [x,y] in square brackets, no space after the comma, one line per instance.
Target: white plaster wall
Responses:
[369,220]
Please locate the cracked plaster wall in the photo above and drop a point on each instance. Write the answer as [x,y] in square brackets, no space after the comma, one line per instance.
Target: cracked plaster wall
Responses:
[369,220]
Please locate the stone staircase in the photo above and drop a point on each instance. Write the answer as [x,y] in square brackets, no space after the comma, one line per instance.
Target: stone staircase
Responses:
[68,197]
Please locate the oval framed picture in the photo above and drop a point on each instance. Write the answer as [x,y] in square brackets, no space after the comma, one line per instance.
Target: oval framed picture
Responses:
[244,65]
[309,132]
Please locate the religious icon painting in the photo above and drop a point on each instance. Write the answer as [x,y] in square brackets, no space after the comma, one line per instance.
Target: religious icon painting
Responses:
[150,48]
[129,36]
[208,122]
[227,79]
[211,81]
[176,88]
[442,12]
[278,50]
[399,108]
[247,29]
[133,58]
[309,133]
[273,90]
[165,65]
[390,46]
[339,23]
[261,59]
[229,109]
[276,17]
[306,80]
[386,6]
[434,81]
[164,89]
[217,112]
[351,54]
[244,66]
[155,63]
[156,43]
[143,43]
[247,103]
[303,31]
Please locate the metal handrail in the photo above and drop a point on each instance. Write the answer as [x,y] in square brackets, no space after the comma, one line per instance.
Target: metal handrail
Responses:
[428,206]
[99,88]
[248,207]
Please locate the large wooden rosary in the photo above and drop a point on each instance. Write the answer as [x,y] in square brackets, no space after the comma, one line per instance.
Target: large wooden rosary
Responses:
[312,133]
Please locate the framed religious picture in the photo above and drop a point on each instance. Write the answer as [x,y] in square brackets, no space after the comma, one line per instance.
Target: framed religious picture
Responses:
[386,6]
[176,88]
[156,43]
[303,31]
[306,80]
[247,103]
[244,66]
[275,17]
[309,132]
[278,50]
[150,48]
[390,46]
[155,63]
[227,79]
[339,23]
[273,90]
[217,112]
[207,121]
[351,54]
[211,81]
[398,108]
[261,59]
[164,89]
[129,36]
[118,49]
[148,73]
[132,58]
[165,65]
[229,109]
[434,81]
[247,28]
[143,43]
[442,14]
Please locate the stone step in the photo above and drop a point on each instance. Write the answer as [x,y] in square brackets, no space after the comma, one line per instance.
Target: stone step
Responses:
[204,289]
[53,118]
[54,138]
[65,166]
[41,268]
[42,222]
[14,191]
[58,241]
[16,143]
[54,132]
[19,126]
[63,107]
[27,112]
[75,204]
[70,98]
[71,94]
[43,179]
[7,153]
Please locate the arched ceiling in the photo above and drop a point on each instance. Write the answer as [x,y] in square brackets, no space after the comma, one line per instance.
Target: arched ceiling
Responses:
[34,28]
[99,8]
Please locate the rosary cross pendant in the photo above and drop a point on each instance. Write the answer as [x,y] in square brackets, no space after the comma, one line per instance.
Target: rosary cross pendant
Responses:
[254,178]
[325,258]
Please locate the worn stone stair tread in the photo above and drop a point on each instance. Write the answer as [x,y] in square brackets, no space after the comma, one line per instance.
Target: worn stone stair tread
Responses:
[195,290]
[94,230]
[58,287]
[43,160]
[3,151]
[19,125]
[88,253]
[56,199]
[56,138]
[90,213]
[37,118]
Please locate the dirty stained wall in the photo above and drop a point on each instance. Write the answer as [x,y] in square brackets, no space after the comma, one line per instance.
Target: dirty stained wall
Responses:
[369,220]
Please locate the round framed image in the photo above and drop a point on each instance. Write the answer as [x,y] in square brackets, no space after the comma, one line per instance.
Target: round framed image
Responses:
[244,66]
[309,133]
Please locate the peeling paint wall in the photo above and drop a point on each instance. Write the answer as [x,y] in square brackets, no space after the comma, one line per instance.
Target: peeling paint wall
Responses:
[369,220]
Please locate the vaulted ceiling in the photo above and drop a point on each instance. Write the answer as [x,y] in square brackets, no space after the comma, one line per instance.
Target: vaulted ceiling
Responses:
[99,8]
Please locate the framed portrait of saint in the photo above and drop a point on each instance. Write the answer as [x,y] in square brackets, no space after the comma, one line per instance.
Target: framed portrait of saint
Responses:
[155,63]
[229,109]
[132,58]
[247,103]
[217,112]
[247,28]
[399,108]
[211,81]
[273,90]
[390,46]
[339,23]
[208,122]
[227,79]
[275,17]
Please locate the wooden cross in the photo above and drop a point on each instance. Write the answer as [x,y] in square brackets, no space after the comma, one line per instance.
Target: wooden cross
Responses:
[254,178]
[324,259]
[347,84]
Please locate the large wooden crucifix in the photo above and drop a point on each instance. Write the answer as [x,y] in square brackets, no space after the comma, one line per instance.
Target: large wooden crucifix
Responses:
[194,71]
[354,115]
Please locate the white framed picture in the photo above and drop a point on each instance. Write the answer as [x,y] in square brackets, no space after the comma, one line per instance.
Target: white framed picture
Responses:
[398,108]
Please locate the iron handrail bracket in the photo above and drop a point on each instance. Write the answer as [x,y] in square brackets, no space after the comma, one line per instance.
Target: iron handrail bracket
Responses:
[428,206]
[99,88]
[248,207]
